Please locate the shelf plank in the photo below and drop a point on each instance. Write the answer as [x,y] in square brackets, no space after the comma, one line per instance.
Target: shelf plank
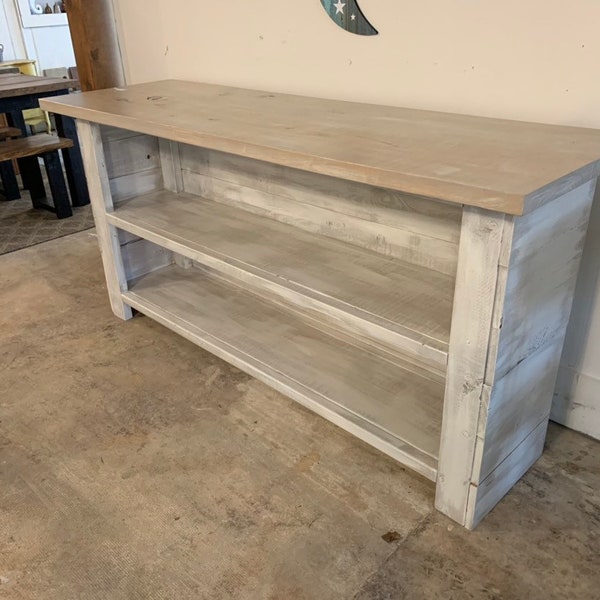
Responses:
[383,403]
[404,306]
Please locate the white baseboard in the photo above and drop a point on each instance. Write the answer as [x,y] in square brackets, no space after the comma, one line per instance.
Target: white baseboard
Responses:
[577,402]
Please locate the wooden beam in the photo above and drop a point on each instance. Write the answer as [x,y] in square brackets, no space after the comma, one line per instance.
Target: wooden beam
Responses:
[102,202]
[96,45]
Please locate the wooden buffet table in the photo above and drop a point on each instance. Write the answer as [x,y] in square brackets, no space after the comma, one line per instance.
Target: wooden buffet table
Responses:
[406,274]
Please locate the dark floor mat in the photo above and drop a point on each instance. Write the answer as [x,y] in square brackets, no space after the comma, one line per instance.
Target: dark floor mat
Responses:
[22,226]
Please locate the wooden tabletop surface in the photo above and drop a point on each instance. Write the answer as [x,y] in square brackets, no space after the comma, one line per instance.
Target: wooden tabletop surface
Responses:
[501,165]
[16,84]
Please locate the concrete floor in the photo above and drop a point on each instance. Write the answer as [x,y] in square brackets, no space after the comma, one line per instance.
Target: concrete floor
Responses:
[134,465]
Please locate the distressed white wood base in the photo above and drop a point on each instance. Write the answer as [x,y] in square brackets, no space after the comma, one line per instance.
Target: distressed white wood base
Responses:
[514,289]
[432,332]
[101,199]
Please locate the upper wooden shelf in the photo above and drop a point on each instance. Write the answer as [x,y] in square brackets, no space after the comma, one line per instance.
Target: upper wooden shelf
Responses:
[506,166]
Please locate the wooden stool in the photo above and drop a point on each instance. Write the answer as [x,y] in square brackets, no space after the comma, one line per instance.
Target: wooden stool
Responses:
[7,172]
[27,151]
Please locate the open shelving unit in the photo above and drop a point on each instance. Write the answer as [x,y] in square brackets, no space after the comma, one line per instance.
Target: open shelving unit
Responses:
[407,275]
[359,337]
[402,306]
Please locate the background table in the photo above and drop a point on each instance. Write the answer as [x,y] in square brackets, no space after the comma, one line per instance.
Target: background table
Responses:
[21,92]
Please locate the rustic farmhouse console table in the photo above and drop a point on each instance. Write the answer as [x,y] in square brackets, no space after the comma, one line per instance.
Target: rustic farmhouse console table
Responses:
[406,274]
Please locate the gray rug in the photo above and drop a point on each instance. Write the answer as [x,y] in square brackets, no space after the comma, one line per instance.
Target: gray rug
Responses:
[22,226]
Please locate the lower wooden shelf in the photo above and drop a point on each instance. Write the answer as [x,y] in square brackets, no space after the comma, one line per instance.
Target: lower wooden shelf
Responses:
[385,403]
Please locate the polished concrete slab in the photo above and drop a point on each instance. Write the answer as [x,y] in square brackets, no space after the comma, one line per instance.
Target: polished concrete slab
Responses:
[134,465]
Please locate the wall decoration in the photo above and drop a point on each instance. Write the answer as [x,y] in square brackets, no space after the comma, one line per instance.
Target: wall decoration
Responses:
[41,13]
[348,15]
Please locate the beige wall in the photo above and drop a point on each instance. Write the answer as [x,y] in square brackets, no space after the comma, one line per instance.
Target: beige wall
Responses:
[142,33]
[532,60]
[535,60]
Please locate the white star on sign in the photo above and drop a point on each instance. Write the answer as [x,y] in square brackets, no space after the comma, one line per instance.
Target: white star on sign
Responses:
[339,7]
[353,17]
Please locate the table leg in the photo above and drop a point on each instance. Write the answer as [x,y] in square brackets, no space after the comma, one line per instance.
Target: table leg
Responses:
[30,170]
[65,126]
[57,185]
[9,181]
[15,119]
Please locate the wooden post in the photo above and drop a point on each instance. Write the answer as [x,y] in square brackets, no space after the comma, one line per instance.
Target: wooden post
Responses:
[514,288]
[96,45]
[102,203]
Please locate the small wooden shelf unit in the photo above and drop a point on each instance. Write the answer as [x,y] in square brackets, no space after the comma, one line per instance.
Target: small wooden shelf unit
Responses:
[405,274]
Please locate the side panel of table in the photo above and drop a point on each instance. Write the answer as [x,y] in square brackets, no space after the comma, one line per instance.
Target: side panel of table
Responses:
[515,285]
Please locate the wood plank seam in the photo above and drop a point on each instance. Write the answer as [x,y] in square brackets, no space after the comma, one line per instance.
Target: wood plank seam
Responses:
[171,165]
[207,174]
[430,252]
[471,518]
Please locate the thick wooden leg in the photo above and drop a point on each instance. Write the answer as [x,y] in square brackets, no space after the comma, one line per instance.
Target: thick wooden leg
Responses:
[15,119]
[515,284]
[56,179]
[65,126]
[30,170]
[481,250]
[101,199]
[10,186]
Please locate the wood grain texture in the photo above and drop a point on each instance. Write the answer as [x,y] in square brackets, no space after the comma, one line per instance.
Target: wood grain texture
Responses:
[383,206]
[32,146]
[112,134]
[136,184]
[483,497]
[481,247]
[507,166]
[518,403]
[21,85]
[101,200]
[135,154]
[171,165]
[539,269]
[386,405]
[543,268]
[10,132]
[95,43]
[133,163]
[417,230]
[141,257]
[399,304]
[511,361]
